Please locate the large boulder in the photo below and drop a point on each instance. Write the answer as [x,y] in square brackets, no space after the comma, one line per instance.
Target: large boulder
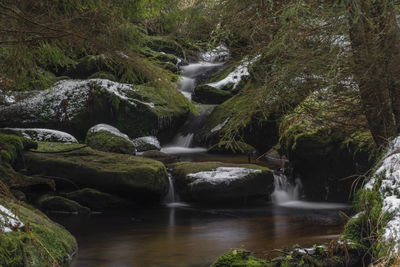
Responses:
[76,105]
[206,94]
[33,239]
[107,138]
[139,179]
[222,183]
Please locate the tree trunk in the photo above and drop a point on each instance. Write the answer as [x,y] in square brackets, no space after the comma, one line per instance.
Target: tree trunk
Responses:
[370,66]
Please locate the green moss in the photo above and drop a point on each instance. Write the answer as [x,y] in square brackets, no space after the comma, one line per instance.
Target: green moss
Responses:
[108,142]
[55,147]
[239,258]
[40,243]
[119,174]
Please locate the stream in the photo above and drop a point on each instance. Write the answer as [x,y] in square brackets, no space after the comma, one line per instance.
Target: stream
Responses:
[181,234]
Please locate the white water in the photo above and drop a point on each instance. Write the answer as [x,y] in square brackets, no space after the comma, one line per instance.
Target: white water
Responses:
[285,190]
[287,194]
[170,198]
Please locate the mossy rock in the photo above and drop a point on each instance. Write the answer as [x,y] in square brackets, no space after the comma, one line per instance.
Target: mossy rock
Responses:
[218,182]
[109,142]
[60,204]
[97,200]
[139,179]
[206,94]
[76,105]
[146,143]
[236,148]
[258,130]
[40,242]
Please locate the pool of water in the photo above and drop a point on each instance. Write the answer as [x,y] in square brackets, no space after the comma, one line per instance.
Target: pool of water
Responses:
[184,235]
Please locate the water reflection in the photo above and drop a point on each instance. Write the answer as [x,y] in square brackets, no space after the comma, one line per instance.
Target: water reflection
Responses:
[193,236]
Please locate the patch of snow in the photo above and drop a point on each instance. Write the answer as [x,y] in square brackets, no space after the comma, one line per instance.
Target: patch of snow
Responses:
[224,175]
[9,99]
[49,135]
[219,54]
[220,126]
[108,128]
[389,191]
[8,220]
[341,41]
[237,74]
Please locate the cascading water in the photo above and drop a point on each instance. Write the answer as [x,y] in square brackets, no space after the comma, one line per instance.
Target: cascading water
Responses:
[285,190]
[170,198]
[192,75]
[287,194]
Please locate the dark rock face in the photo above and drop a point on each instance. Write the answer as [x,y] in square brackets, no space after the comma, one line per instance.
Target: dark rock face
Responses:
[222,183]
[96,200]
[139,179]
[61,204]
[206,94]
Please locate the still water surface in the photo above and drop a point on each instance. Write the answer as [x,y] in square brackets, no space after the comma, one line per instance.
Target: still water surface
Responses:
[195,236]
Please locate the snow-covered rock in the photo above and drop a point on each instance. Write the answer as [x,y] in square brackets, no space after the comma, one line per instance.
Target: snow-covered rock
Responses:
[236,75]
[108,128]
[76,105]
[218,54]
[388,175]
[107,138]
[9,222]
[218,182]
[146,143]
[47,135]
[220,126]
[221,175]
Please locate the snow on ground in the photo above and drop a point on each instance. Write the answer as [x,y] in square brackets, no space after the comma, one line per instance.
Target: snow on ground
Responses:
[237,74]
[8,220]
[108,128]
[221,175]
[220,126]
[218,54]
[49,135]
[390,191]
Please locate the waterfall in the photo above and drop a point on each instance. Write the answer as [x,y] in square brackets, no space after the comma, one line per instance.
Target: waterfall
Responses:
[184,140]
[285,190]
[170,198]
